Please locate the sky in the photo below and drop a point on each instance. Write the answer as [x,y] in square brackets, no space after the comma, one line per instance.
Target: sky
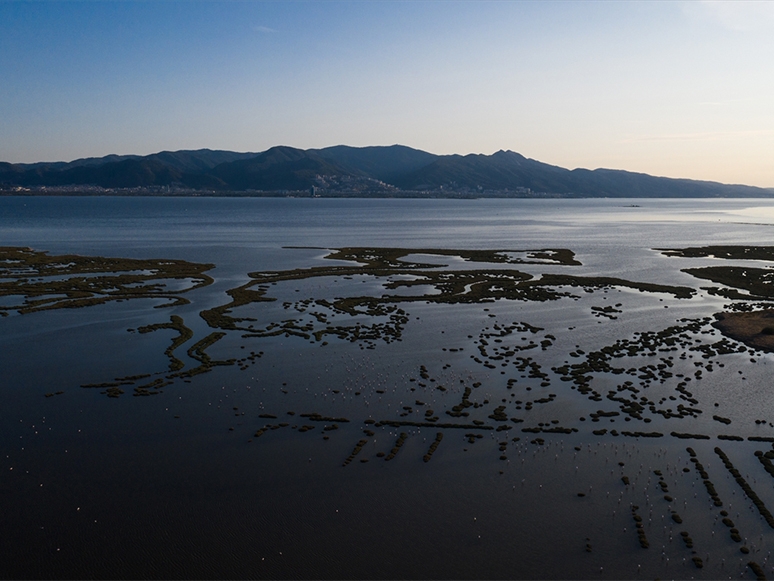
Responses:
[678,89]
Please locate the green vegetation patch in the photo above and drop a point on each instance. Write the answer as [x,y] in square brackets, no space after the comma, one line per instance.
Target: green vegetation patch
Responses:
[723,252]
[184,334]
[71,281]
[759,282]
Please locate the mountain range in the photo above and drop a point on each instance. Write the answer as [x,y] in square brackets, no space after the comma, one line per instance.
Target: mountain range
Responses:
[356,171]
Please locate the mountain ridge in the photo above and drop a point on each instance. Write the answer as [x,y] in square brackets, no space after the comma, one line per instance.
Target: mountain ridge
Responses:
[373,171]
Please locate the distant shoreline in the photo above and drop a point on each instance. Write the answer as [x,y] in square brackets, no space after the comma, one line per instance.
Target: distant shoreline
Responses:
[407,194]
[348,172]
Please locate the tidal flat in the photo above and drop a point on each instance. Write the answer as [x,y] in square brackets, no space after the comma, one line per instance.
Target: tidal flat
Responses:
[549,410]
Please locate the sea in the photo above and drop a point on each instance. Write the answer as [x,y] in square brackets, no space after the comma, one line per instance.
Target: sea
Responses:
[359,410]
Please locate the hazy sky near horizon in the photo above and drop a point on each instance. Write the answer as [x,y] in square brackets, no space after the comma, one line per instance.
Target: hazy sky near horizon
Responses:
[680,89]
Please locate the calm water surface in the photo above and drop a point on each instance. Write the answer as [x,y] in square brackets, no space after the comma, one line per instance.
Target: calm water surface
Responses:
[177,485]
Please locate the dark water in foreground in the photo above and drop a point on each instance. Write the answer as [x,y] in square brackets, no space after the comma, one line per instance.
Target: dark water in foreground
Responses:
[178,485]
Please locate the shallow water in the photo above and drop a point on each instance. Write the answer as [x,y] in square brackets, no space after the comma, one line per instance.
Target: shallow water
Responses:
[178,485]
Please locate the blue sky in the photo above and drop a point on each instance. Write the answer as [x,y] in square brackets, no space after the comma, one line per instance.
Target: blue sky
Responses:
[683,89]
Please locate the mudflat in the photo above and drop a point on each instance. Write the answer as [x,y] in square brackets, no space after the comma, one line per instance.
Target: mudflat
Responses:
[755,328]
